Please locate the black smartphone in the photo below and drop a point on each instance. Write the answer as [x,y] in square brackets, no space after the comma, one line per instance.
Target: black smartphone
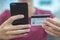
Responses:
[18,9]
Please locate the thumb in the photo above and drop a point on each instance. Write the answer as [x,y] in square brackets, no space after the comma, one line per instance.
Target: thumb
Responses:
[11,19]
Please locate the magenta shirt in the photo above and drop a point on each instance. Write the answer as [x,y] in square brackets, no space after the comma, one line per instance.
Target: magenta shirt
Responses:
[36,32]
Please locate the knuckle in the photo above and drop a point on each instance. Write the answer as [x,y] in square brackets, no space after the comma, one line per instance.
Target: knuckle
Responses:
[11,18]
[5,28]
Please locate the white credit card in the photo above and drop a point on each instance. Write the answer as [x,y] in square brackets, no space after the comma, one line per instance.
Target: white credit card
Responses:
[39,19]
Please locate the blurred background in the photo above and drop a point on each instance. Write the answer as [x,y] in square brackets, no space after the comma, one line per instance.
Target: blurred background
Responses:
[51,5]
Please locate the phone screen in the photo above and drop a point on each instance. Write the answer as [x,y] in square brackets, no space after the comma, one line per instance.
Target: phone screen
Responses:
[17,9]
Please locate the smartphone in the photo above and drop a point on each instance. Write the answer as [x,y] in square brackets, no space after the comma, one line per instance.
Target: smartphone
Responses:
[38,20]
[19,9]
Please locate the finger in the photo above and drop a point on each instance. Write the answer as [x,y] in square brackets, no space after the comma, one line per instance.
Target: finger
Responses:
[16,36]
[51,30]
[18,31]
[52,34]
[17,27]
[22,26]
[54,21]
[52,25]
[11,19]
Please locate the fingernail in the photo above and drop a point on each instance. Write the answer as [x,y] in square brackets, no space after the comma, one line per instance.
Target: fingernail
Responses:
[29,25]
[43,25]
[22,16]
[28,30]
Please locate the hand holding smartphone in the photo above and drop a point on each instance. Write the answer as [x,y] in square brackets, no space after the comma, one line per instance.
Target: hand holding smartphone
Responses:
[19,9]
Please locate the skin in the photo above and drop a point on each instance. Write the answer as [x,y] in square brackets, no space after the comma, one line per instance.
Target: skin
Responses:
[52,26]
[9,31]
